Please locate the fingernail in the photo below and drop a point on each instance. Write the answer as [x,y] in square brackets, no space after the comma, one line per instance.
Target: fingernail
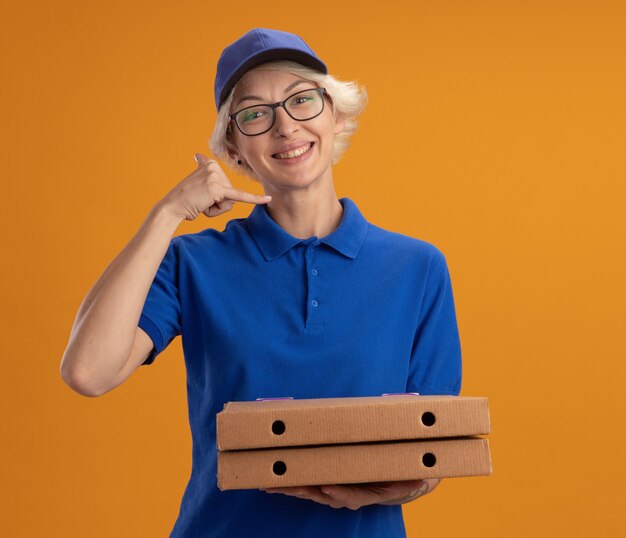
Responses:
[197,157]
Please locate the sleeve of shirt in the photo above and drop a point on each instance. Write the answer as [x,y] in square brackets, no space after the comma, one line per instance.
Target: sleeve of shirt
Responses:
[161,315]
[435,366]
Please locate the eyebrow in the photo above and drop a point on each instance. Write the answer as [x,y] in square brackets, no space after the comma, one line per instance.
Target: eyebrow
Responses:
[290,87]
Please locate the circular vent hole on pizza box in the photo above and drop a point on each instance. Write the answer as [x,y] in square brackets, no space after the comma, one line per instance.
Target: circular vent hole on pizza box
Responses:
[429,459]
[428,418]
[279,468]
[278,427]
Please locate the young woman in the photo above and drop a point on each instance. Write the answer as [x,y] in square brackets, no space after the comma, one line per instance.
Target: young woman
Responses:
[303,298]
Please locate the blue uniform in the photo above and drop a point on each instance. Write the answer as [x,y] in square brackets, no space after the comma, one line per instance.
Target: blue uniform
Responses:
[360,312]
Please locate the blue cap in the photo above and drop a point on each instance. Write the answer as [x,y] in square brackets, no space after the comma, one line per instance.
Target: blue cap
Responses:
[258,46]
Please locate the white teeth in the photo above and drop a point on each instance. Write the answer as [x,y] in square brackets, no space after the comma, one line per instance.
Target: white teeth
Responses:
[294,153]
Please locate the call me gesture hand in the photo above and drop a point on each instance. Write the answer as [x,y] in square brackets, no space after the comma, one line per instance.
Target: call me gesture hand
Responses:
[206,190]
[357,495]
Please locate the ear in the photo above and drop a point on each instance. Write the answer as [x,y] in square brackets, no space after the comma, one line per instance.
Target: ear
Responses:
[231,147]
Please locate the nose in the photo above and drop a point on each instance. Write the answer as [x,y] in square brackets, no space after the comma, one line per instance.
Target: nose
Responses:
[284,125]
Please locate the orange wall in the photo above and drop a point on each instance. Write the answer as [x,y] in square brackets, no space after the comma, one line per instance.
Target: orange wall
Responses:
[495,130]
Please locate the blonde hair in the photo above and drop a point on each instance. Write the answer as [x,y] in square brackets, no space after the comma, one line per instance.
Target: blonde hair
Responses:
[349,100]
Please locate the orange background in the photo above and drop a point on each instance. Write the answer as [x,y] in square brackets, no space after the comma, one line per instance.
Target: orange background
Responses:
[495,130]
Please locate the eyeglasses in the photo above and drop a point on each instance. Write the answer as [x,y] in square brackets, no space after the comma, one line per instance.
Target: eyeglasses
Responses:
[301,106]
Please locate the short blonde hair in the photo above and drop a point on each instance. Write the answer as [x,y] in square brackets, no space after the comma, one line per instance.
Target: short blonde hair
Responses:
[349,100]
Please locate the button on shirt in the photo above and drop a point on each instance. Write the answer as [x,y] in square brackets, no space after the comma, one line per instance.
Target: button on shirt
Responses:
[360,312]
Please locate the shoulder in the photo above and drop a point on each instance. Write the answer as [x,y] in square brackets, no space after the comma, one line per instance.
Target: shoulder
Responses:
[405,246]
[232,235]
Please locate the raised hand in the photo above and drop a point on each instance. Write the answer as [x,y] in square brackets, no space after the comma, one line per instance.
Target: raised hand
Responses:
[207,190]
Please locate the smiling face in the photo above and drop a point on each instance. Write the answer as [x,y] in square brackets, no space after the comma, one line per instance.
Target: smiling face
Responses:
[292,154]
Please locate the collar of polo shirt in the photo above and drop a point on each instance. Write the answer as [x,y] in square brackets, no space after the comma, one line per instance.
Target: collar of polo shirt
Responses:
[273,241]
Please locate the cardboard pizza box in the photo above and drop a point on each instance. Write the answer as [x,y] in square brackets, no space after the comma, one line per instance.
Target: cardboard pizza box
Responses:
[328,421]
[353,464]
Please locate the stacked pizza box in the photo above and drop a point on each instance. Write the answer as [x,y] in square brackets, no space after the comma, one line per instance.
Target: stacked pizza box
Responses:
[280,442]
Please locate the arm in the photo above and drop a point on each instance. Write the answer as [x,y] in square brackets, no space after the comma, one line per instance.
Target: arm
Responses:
[104,330]
[435,365]
[103,349]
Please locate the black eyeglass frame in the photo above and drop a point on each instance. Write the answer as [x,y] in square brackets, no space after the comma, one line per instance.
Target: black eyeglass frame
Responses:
[273,107]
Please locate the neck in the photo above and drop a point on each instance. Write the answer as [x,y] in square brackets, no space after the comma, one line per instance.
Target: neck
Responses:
[305,214]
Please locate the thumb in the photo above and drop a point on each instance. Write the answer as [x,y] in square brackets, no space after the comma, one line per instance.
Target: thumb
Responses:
[200,159]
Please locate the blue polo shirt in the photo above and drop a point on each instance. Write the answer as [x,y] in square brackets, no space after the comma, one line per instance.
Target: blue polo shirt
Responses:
[361,312]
